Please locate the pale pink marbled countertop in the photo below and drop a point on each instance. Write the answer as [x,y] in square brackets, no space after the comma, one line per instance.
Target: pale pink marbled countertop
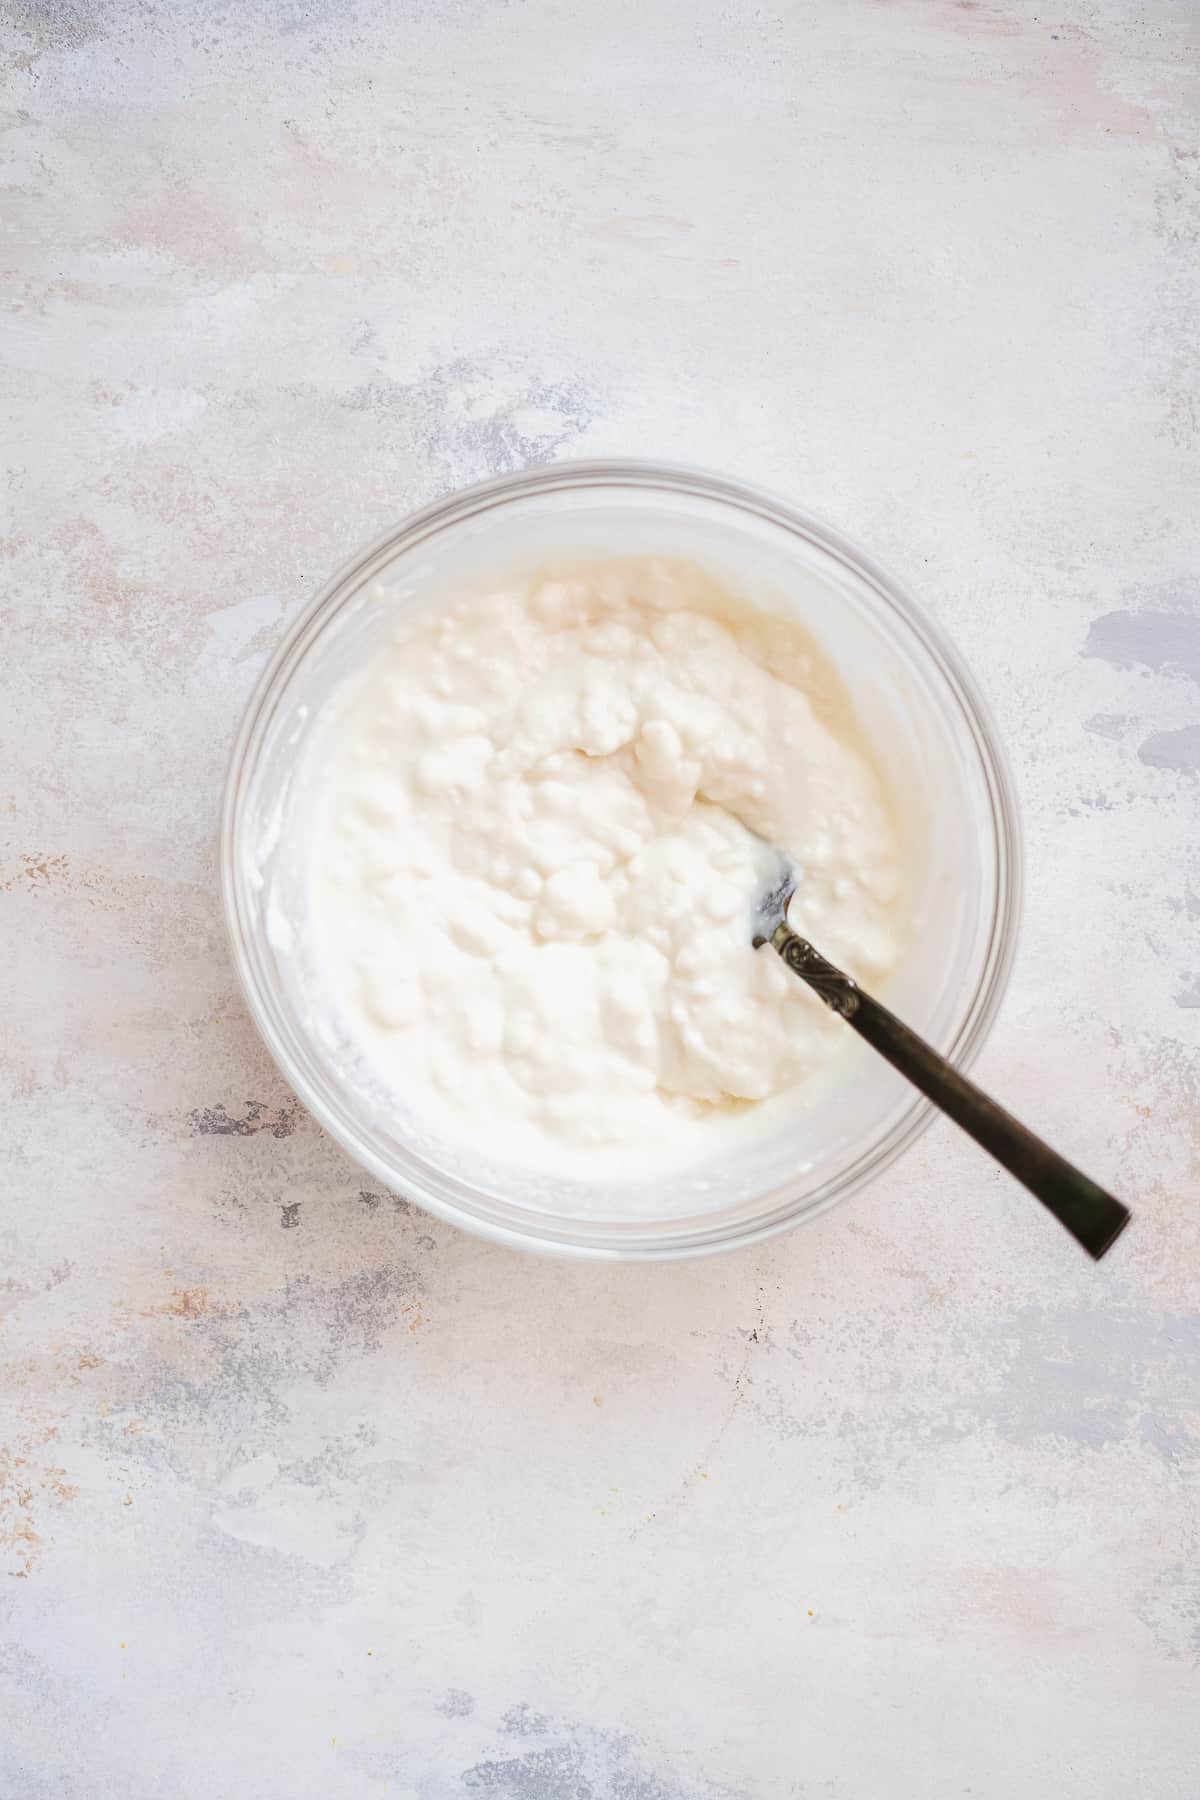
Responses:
[301,1493]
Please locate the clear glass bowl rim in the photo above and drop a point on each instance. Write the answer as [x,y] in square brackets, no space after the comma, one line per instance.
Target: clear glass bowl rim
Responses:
[678,479]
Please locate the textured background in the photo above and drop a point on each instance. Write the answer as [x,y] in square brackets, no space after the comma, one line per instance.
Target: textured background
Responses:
[301,1493]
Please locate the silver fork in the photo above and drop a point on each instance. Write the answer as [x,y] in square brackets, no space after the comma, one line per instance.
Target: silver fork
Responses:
[1092,1216]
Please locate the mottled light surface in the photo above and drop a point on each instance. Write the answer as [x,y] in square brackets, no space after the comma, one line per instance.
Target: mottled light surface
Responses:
[302,1493]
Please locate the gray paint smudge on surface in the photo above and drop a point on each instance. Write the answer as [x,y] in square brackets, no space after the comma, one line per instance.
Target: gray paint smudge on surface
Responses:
[1108,725]
[582,1764]
[474,420]
[522,1721]
[1167,642]
[455,1703]
[225,1382]
[216,1121]
[57,24]
[1170,1611]
[1096,802]
[1177,750]
[371,1202]
[1094,1379]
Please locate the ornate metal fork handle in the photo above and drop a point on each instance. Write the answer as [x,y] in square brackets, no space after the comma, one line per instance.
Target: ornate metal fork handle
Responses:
[838,990]
[1092,1216]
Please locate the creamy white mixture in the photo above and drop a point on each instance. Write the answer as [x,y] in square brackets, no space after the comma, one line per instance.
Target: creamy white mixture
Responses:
[532,874]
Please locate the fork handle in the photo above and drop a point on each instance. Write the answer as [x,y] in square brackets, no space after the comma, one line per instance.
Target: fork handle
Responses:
[1092,1216]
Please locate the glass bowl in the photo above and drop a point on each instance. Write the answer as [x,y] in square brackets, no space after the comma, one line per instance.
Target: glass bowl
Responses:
[913,698]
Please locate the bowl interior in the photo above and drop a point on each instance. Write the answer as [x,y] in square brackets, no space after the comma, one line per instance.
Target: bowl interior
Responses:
[911,699]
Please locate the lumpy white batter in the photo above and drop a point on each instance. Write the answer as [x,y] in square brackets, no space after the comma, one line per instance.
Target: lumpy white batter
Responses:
[532,874]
